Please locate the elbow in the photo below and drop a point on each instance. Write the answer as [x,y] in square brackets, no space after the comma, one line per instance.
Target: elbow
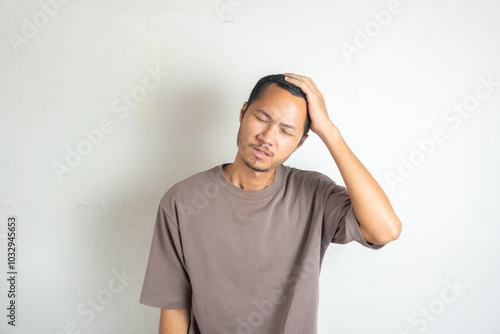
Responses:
[391,232]
[394,230]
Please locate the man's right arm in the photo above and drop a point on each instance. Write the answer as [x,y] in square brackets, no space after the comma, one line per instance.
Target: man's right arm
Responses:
[174,321]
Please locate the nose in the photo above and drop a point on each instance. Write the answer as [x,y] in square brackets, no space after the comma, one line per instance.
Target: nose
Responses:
[266,136]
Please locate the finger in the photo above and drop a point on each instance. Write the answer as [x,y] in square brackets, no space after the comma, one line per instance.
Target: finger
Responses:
[296,79]
[303,82]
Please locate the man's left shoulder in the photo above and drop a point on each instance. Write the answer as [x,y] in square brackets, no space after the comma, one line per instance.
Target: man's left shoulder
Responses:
[308,177]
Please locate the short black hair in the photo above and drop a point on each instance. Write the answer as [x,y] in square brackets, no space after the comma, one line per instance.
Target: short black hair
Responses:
[278,79]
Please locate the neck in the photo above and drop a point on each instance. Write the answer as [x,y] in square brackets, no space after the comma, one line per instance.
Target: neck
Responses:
[242,176]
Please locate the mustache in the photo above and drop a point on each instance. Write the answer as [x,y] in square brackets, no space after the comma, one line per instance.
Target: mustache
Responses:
[262,149]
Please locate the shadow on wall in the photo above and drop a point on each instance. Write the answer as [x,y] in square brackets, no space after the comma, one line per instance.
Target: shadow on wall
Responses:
[178,140]
[196,123]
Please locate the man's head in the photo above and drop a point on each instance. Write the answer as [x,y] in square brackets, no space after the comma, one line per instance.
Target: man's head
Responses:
[273,123]
[278,79]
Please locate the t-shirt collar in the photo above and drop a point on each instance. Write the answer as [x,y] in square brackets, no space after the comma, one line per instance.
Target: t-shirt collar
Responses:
[250,194]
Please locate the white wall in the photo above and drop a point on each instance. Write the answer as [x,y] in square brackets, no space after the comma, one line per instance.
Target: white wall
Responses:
[385,92]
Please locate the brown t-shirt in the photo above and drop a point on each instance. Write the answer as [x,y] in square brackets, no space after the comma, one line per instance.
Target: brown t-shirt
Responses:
[247,261]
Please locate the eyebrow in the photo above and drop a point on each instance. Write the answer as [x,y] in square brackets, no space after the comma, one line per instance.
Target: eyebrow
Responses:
[269,116]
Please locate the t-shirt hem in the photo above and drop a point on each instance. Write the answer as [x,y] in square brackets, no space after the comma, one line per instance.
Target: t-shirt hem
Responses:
[155,302]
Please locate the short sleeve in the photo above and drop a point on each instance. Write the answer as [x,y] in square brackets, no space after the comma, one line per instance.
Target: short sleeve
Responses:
[166,282]
[340,224]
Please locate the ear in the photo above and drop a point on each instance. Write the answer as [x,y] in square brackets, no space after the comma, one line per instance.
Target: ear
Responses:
[302,140]
[242,112]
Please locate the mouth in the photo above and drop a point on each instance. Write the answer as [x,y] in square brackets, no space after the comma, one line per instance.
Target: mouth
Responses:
[260,153]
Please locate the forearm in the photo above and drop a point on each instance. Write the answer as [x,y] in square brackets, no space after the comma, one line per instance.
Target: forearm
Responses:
[378,221]
[174,321]
[379,224]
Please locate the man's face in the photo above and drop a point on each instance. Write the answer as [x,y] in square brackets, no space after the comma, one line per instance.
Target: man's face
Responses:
[271,129]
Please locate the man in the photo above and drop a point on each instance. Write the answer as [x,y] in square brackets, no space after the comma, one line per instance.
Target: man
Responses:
[238,248]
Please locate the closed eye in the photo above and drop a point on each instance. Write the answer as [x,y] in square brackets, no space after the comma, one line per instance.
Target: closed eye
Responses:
[261,119]
[265,121]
